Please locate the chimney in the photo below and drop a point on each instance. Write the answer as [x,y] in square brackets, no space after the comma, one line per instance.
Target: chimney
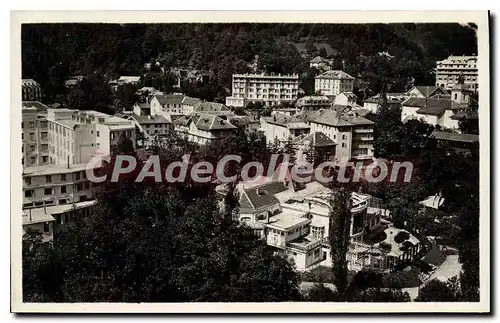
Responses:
[68,162]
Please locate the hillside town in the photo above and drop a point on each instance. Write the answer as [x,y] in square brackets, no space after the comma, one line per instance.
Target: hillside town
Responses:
[403,236]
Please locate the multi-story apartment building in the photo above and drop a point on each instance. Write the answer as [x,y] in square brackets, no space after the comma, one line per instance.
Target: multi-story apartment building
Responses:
[332,83]
[271,89]
[449,70]
[203,128]
[75,136]
[35,139]
[31,90]
[313,102]
[54,195]
[282,127]
[352,133]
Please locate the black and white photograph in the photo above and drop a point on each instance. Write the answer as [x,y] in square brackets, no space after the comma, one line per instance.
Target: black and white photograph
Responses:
[259,164]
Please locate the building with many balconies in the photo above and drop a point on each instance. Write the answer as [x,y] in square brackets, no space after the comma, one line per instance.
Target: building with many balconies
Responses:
[449,70]
[271,89]
[313,103]
[352,133]
[31,90]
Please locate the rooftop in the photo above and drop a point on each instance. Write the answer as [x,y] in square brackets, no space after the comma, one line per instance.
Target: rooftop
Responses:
[149,119]
[286,220]
[335,75]
[335,118]
[432,106]
[35,104]
[53,169]
[262,75]
[317,139]
[456,137]
[43,214]
[261,195]
[284,120]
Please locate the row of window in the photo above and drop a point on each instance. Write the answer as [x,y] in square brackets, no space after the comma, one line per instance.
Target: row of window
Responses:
[63,177]
[62,190]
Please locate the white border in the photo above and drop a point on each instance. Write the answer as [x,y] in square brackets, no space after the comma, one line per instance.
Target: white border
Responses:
[478,17]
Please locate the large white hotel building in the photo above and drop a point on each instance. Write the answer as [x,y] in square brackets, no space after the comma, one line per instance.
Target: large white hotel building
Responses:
[271,89]
[448,71]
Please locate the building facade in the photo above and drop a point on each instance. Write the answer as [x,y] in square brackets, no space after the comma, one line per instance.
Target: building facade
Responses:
[203,129]
[281,128]
[173,104]
[449,70]
[76,136]
[31,90]
[313,103]
[296,223]
[270,89]
[35,134]
[332,83]
[352,133]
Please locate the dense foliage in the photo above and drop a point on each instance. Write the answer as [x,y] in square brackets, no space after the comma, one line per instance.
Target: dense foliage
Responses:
[53,52]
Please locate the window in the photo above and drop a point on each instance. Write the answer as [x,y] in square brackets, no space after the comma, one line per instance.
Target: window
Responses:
[48,179]
[63,177]
[47,191]
[77,176]
[97,132]
[87,185]
[66,218]
[44,135]
[32,148]
[22,136]
[112,136]
[58,219]
[62,201]
[22,125]
[29,193]
[32,125]
[27,180]
[46,227]
[63,189]
[45,159]
[343,145]
[32,160]
[45,147]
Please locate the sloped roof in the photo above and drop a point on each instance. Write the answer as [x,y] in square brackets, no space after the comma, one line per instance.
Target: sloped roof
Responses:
[208,107]
[210,122]
[169,98]
[263,195]
[291,122]
[319,59]
[429,90]
[335,74]
[318,139]
[457,137]
[337,119]
[432,106]
[157,119]
[190,101]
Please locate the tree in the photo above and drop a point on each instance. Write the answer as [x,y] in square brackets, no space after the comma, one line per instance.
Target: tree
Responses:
[401,237]
[339,235]
[323,53]
[127,95]
[320,293]
[438,291]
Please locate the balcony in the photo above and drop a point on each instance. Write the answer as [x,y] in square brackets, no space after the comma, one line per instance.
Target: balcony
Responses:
[363,130]
[306,244]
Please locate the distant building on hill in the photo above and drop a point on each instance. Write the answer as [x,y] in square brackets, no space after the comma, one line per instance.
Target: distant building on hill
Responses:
[31,90]
[270,89]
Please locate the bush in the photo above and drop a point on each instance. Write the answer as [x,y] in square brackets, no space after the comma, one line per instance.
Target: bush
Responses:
[401,236]
[402,278]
